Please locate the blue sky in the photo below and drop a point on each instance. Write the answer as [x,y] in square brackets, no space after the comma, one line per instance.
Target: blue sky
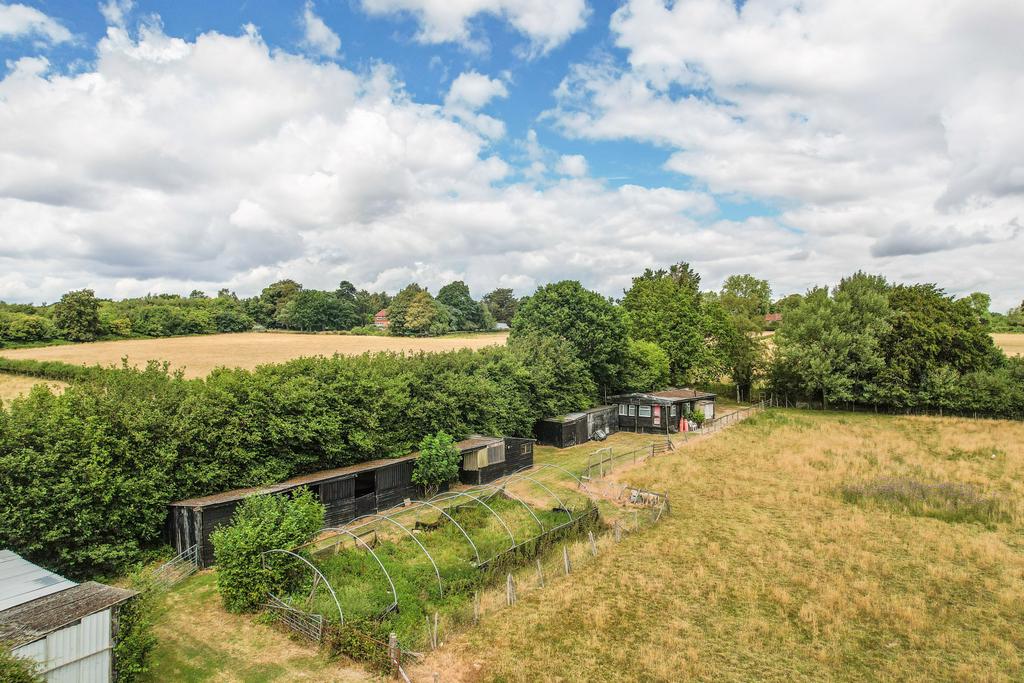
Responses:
[159,146]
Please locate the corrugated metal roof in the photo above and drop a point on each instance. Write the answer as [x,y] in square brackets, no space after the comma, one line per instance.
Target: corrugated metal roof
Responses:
[21,581]
[32,620]
[569,417]
[477,441]
[294,482]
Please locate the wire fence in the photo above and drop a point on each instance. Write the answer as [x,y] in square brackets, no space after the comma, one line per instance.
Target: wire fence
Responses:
[786,401]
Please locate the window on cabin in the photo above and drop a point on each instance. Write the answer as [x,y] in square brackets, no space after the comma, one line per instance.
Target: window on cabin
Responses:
[496,454]
[672,411]
[645,411]
[623,409]
[632,410]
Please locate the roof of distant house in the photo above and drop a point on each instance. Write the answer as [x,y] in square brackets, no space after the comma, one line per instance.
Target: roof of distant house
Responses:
[667,396]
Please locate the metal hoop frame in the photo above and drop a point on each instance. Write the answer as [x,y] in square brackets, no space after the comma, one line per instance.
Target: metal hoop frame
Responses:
[457,494]
[545,465]
[501,489]
[360,541]
[517,476]
[315,571]
[411,535]
[458,526]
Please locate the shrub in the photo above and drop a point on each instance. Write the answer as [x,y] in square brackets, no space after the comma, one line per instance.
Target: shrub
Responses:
[369,330]
[16,669]
[438,463]
[262,522]
[22,328]
[135,638]
[646,366]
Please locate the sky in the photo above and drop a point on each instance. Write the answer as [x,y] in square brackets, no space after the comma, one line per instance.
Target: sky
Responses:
[168,145]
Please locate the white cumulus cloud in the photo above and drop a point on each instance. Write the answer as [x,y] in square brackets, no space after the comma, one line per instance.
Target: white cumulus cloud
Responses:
[546,24]
[572,164]
[318,36]
[18,21]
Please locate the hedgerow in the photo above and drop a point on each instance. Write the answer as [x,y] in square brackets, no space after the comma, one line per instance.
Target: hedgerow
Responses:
[86,476]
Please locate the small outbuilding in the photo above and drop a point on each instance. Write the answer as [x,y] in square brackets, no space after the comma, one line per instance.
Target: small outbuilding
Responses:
[486,458]
[346,493]
[68,629]
[576,428]
[662,412]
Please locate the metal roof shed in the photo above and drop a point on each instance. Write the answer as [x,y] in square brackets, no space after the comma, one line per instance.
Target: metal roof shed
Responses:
[67,628]
[576,428]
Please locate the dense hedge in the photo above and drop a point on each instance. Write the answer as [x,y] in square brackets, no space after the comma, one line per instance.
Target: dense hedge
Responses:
[85,477]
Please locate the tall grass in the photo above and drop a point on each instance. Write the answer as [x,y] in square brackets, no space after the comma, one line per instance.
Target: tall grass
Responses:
[948,501]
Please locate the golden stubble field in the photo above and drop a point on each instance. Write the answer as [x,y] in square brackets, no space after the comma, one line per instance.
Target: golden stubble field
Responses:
[198,355]
[764,572]
[1011,344]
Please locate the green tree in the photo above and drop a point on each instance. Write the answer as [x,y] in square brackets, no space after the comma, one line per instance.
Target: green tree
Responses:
[438,462]
[558,381]
[77,315]
[502,304]
[646,367]
[587,320]
[466,313]
[312,310]
[272,299]
[664,307]
[747,297]
[245,576]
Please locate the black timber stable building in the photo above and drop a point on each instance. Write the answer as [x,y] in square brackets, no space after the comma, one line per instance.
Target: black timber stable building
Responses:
[346,492]
[662,412]
[576,428]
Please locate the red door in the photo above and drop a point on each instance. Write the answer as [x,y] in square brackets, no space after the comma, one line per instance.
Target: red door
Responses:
[657,416]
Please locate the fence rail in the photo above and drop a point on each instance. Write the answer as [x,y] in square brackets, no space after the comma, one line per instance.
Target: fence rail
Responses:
[309,625]
[178,568]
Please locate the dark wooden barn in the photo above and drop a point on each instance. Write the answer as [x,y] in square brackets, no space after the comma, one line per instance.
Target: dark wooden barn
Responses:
[486,458]
[576,428]
[346,492]
[661,411]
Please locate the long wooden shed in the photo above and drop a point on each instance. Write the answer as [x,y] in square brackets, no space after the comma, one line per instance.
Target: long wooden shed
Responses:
[486,458]
[346,493]
[662,411]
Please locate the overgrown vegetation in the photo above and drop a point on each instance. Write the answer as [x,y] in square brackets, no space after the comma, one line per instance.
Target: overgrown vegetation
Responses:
[245,575]
[948,501]
[438,462]
[136,639]
[17,669]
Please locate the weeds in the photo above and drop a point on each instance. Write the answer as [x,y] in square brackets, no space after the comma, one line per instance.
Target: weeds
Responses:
[946,501]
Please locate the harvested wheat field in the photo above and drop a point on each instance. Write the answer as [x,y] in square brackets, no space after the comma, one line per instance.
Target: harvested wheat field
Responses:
[1011,344]
[198,355]
[801,546]
[13,386]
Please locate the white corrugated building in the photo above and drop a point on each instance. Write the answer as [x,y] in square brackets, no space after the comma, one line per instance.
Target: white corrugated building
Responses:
[67,628]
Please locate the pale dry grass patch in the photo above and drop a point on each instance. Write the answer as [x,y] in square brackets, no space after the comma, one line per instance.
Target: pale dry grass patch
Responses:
[762,572]
[13,386]
[1011,343]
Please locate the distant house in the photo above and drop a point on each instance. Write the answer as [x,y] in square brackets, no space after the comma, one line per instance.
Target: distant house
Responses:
[773,318]
[68,629]
[380,319]
[576,428]
[662,411]
[501,326]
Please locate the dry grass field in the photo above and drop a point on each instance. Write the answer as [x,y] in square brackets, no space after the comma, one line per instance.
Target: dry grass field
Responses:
[198,355]
[1011,344]
[801,546]
[12,386]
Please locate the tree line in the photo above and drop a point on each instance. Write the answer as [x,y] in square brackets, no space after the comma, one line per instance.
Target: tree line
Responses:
[80,316]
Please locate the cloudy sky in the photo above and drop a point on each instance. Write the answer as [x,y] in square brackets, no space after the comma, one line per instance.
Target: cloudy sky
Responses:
[164,145]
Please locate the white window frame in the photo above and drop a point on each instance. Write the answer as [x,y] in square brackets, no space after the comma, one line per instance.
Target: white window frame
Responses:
[644,411]
[623,409]
[632,410]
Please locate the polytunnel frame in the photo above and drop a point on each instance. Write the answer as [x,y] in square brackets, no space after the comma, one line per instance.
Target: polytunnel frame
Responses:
[448,495]
[543,465]
[377,515]
[417,503]
[387,574]
[519,476]
[501,489]
[316,571]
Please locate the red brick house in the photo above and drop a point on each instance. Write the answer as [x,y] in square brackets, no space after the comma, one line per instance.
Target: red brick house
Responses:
[381,319]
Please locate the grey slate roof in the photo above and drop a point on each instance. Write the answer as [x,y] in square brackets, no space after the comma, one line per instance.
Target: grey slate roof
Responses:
[30,621]
[21,581]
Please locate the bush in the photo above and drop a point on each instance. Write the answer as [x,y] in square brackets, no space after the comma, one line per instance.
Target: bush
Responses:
[17,670]
[646,366]
[438,463]
[245,577]
[135,639]
[369,330]
[22,328]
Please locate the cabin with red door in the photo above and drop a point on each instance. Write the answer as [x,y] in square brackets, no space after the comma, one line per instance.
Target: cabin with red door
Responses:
[662,412]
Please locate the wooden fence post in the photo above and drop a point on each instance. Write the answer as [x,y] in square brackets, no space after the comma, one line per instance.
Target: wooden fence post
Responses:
[540,574]
[593,543]
[565,560]
[393,653]
[618,531]
[510,590]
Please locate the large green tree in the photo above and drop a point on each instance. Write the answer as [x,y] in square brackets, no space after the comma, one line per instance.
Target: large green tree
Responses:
[77,315]
[502,304]
[466,313]
[664,307]
[587,320]
[311,310]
